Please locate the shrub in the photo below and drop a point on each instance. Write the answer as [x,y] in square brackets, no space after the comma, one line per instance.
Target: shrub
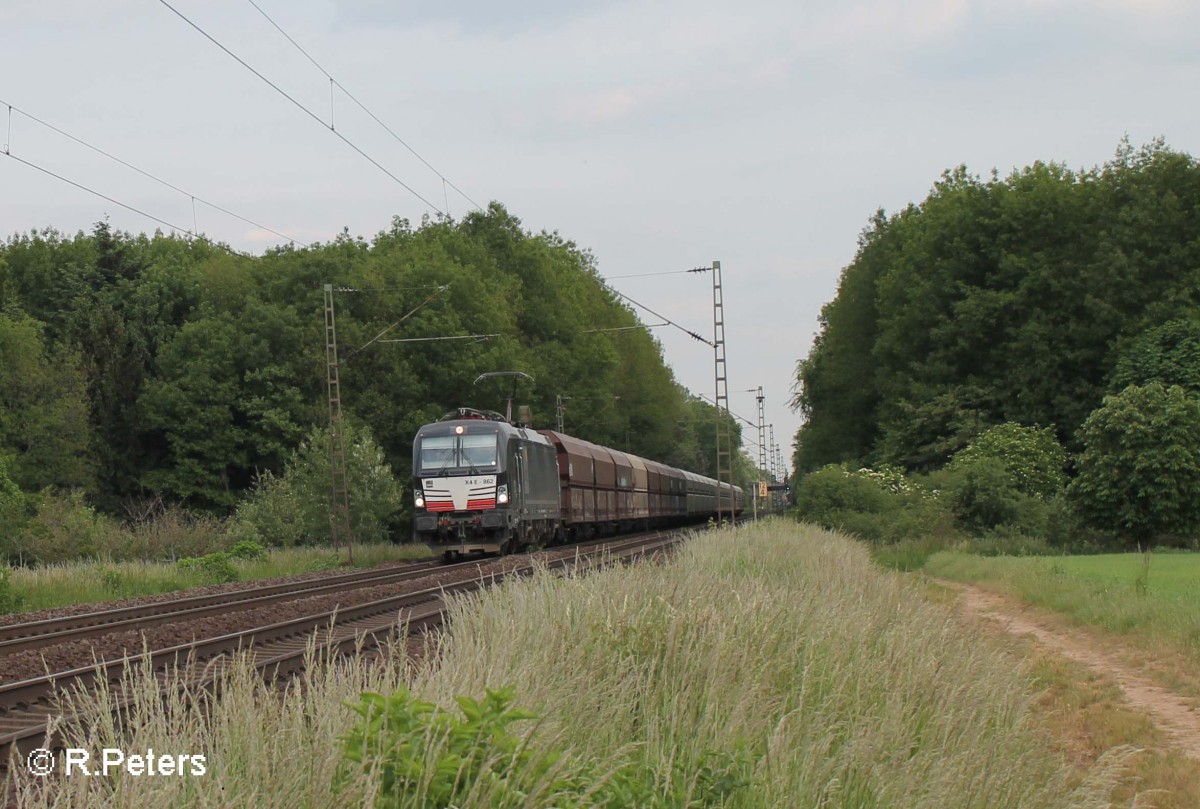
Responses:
[65,527]
[876,505]
[293,508]
[426,757]
[247,549]
[217,568]
[1139,472]
[1032,459]
[169,531]
[983,495]
[985,498]
[9,600]
[907,554]
[833,490]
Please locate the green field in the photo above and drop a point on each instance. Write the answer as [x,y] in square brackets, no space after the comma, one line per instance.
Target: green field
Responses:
[1170,575]
[1154,598]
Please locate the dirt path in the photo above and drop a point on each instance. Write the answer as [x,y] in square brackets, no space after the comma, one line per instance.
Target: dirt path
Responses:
[1178,719]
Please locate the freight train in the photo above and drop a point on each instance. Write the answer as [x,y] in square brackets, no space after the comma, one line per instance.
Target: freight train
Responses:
[483,484]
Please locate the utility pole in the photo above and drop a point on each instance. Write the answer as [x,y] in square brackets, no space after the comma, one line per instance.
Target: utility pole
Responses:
[559,410]
[762,434]
[720,374]
[339,501]
[771,427]
[762,444]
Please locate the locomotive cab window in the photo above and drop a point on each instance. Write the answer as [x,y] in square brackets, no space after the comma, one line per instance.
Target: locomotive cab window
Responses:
[479,450]
[437,452]
[451,453]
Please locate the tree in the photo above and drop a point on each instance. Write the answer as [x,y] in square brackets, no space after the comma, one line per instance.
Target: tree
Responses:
[1168,353]
[229,400]
[1139,472]
[835,386]
[43,408]
[1009,299]
[12,510]
[201,367]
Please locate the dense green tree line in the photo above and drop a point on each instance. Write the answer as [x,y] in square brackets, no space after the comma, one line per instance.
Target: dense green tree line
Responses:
[1022,299]
[134,365]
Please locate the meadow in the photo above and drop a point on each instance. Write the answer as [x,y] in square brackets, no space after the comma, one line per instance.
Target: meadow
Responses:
[1151,599]
[765,666]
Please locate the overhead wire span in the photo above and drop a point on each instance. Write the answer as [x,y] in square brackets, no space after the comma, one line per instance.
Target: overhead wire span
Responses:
[385,289]
[745,437]
[334,82]
[730,412]
[305,109]
[476,337]
[147,174]
[407,315]
[670,322]
[665,272]
[626,328]
[82,187]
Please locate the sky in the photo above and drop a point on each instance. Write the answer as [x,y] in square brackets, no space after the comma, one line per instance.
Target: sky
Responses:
[659,135]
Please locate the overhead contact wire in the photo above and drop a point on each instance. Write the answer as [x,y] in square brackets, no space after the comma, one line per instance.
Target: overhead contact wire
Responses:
[409,314]
[334,82]
[670,322]
[303,108]
[664,272]
[98,194]
[148,175]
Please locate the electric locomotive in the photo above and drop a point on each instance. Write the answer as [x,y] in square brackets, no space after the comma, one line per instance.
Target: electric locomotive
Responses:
[483,485]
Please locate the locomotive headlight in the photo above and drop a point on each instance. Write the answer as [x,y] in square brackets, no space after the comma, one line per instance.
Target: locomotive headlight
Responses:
[502,494]
[419,499]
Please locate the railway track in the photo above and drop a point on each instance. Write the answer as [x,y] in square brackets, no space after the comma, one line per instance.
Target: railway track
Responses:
[27,707]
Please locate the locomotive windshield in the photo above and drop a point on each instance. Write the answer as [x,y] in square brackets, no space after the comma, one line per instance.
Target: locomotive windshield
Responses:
[454,453]
[478,450]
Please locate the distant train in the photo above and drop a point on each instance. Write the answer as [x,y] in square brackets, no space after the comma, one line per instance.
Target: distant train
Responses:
[486,485]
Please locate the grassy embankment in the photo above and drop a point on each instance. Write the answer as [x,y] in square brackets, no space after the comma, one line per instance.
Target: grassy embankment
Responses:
[86,582]
[762,667]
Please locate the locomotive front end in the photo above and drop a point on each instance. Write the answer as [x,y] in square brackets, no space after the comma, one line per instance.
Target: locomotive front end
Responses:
[461,496]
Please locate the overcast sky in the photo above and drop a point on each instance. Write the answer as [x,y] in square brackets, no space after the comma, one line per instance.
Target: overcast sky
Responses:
[660,135]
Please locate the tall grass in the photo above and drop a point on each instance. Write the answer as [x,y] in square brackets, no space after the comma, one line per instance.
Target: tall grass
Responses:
[777,663]
[90,581]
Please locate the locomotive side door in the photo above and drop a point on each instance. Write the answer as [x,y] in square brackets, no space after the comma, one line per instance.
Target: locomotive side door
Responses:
[523,473]
[514,477]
